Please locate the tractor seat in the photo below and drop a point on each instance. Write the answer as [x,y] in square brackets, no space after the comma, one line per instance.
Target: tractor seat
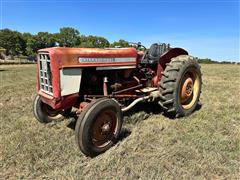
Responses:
[153,54]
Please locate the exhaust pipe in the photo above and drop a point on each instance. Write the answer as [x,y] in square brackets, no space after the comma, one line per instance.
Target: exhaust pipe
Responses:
[134,103]
[152,97]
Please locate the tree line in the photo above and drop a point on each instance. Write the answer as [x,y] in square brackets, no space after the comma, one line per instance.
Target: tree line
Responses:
[210,61]
[27,44]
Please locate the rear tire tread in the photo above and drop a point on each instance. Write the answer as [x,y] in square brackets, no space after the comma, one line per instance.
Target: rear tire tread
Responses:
[169,82]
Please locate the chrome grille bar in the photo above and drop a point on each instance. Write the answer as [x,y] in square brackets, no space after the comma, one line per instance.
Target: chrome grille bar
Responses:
[45,74]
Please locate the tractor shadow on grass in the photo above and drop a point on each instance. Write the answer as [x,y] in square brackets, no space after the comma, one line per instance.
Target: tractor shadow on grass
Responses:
[142,111]
[125,132]
[138,113]
[198,107]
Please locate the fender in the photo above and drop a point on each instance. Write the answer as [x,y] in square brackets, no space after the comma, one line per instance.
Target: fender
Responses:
[174,52]
[164,59]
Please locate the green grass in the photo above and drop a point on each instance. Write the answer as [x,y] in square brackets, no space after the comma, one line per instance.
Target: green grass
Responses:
[204,145]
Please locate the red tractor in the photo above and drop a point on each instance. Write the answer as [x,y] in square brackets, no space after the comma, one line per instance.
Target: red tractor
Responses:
[101,84]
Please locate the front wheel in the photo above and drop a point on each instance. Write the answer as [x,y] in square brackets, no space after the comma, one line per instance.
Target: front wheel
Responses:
[98,126]
[45,113]
[180,86]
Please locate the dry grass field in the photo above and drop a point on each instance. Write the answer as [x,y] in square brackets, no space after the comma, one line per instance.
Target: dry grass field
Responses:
[204,145]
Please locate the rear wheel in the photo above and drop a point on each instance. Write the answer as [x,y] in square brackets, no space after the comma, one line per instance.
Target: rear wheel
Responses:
[180,86]
[98,126]
[45,113]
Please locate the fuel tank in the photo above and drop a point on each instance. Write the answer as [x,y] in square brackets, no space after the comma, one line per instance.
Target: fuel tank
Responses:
[91,57]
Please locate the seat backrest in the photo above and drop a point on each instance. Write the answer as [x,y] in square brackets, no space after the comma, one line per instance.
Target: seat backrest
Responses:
[153,54]
[154,51]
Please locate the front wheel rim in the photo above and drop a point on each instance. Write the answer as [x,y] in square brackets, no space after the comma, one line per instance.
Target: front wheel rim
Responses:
[190,88]
[50,112]
[104,128]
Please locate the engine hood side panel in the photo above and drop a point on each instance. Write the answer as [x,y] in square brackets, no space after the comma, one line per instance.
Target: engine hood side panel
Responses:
[93,57]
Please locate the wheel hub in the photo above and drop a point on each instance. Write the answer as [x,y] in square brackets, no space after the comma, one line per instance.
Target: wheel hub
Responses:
[189,91]
[187,88]
[105,128]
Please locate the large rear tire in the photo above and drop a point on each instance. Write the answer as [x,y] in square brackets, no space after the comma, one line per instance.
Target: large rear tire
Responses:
[98,126]
[180,86]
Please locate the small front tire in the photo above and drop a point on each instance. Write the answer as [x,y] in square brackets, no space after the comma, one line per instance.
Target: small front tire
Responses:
[98,126]
[45,113]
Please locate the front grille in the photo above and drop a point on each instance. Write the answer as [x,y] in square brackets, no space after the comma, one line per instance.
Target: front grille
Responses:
[45,75]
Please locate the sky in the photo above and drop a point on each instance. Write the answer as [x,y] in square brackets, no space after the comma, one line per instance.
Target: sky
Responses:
[205,28]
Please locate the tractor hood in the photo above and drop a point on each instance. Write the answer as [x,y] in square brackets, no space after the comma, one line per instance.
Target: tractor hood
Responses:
[91,57]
